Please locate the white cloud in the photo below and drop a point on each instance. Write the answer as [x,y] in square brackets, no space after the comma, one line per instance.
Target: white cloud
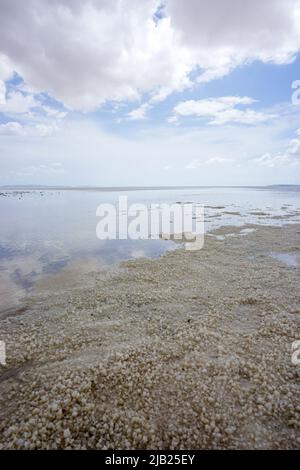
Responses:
[156,97]
[6,73]
[290,157]
[222,110]
[36,118]
[43,130]
[196,163]
[172,119]
[16,129]
[12,128]
[139,113]
[2,92]
[6,69]
[87,52]
[92,156]
[225,34]
[55,113]
[160,95]
[18,103]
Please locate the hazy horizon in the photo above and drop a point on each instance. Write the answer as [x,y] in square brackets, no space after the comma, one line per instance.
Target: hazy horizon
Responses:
[150,187]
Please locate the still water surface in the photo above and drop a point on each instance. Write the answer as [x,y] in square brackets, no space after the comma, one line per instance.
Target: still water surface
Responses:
[44,232]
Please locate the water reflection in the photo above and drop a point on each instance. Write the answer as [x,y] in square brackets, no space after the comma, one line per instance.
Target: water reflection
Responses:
[45,232]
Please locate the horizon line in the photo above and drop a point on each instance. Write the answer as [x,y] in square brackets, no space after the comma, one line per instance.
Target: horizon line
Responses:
[133,188]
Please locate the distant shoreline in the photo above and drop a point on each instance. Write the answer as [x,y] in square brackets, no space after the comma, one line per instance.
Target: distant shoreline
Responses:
[133,188]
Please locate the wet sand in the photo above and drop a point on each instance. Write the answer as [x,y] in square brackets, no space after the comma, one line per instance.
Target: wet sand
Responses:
[189,351]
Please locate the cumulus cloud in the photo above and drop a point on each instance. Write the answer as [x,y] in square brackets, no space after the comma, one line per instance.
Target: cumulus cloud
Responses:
[225,34]
[6,68]
[37,119]
[139,113]
[16,129]
[222,110]
[18,103]
[87,52]
[2,92]
[6,73]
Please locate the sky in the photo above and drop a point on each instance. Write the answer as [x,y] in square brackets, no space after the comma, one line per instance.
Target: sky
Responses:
[139,93]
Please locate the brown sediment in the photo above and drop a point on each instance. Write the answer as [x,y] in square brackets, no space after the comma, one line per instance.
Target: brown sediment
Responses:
[285,216]
[259,213]
[12,311]
[232,229]
[232,212]
[192,350]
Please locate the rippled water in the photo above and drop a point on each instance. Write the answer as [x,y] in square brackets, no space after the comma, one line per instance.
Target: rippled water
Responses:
[44,232]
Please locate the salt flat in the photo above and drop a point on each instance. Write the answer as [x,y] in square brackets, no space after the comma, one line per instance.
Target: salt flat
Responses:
[191,350]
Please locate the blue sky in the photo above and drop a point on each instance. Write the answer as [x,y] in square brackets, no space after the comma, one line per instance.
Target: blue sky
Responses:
[124,93]
[269,84]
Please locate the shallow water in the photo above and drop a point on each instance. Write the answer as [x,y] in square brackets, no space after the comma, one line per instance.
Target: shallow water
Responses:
[43,232]
[289,259]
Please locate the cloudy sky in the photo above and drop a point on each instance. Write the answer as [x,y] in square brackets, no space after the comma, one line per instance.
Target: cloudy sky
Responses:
[147,92]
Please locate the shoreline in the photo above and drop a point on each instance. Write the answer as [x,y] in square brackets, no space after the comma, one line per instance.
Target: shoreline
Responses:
[138,188]
[191,350]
